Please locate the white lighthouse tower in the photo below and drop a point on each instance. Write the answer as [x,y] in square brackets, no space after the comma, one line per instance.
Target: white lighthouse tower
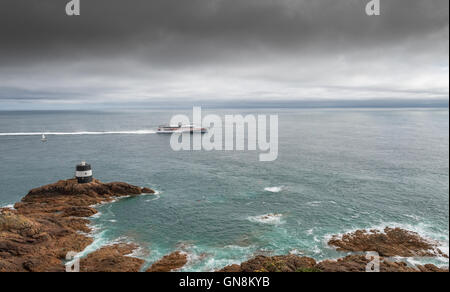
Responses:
[84,173]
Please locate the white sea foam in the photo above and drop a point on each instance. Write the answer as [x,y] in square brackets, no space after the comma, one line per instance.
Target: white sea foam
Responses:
[274,219]
[10,206]
[410,261]
[274,189]
[99,242]
[417,218]
[157,197]
[316,250]
[102,203]
[135,132]
[209,260]
[213,264]
[113,200]
[296,252]
[97,215]
[140,253]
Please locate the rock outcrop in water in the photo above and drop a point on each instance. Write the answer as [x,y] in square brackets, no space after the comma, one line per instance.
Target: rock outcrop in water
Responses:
[358,263]
[114,258]
[50,221]
[169,262]
[388,243]
[294,263]
[392,242]
[288,263]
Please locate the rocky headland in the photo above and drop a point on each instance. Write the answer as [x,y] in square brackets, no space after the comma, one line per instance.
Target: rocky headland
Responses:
[52,220]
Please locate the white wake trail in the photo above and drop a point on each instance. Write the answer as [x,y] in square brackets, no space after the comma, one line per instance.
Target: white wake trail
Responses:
[138,132]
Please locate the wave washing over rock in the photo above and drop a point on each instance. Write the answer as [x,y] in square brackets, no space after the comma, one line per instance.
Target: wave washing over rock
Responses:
[51,221]
[389,242]
[274,219]
[393,242]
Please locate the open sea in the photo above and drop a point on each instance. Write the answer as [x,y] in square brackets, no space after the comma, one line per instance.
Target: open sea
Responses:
[337,170]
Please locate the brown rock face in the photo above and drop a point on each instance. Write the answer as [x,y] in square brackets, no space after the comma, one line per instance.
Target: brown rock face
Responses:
[112,259]
[47,222]
[358,263]
[231,269]
[147,191]
[288,263]
[292,263]
[169,262]
[391,242]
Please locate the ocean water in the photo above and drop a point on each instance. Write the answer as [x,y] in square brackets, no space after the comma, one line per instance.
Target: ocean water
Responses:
[337,170]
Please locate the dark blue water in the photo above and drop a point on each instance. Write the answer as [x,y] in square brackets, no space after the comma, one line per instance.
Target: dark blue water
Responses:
[337,170]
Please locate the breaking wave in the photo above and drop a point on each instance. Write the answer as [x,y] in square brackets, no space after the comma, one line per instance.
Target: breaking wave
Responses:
[10,206]
[274,219]
[156,197]
[274,189]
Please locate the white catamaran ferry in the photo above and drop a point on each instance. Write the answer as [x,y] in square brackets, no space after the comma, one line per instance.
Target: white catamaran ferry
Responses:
[180,128]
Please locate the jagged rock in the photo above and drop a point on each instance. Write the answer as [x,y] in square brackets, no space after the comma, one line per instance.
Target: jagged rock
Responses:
[79,212]
[12,221]
[429,268]
[112,259]
[288,263]
[231,269]
[169,262]
[46,225]
[391,242]
[358,263]
[147,191]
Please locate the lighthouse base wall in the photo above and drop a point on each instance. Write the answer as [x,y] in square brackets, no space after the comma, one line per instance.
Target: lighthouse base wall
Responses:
[84,180]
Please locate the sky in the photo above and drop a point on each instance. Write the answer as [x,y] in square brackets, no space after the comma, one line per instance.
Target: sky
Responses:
[121,53]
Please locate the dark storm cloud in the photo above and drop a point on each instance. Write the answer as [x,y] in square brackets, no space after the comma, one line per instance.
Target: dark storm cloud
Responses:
[40,27]
[268,49]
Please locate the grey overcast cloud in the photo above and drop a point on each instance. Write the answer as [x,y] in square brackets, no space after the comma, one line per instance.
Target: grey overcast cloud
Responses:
[144,52]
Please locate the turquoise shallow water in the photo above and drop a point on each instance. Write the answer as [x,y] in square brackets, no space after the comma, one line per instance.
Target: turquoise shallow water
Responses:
[337,170]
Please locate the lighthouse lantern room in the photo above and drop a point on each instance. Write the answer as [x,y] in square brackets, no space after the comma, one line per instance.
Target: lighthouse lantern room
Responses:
[83,173]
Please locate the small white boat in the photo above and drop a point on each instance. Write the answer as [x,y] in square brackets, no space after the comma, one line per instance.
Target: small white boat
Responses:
[43,139]
[180,128]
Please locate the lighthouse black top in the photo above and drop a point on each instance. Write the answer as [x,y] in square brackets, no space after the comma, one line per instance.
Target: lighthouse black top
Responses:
[84,173]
